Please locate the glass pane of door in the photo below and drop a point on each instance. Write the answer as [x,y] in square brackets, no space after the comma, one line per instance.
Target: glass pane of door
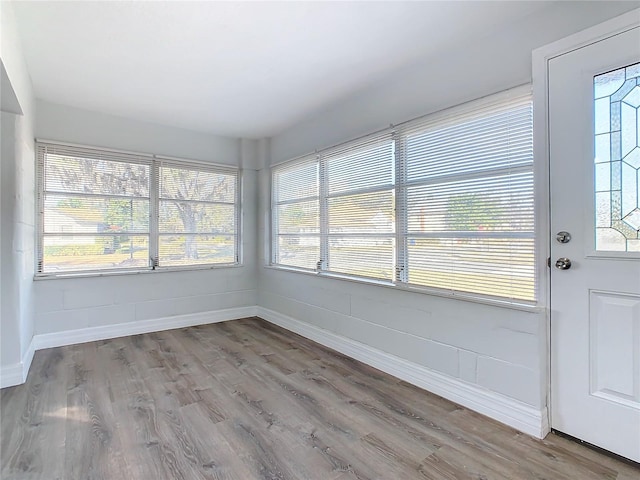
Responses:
[617,159]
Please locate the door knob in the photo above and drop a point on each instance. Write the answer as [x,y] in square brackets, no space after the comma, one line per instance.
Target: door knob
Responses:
[563,263]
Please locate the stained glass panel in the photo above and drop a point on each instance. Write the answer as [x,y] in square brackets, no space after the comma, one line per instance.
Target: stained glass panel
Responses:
[617,159]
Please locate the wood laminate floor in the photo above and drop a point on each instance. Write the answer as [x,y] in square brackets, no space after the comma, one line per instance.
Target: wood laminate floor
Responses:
[247,400]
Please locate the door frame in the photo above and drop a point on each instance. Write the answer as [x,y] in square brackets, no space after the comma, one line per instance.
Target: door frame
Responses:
[540,70]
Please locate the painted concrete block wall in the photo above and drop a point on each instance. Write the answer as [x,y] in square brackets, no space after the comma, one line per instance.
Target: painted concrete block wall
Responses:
[500,349]
[9,308]
[24,235]
[17,211]
[496,348]
[77,303]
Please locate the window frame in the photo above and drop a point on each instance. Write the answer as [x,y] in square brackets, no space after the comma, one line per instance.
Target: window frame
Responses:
[378,140]
[400,191]
[154,162]
[275,203]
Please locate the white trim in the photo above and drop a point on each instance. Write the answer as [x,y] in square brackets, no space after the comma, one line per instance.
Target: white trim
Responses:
[115,273]
[194,164]
[72,337]
[27,358]
[585,37]
[11,375]
[540,63]
[93,147]
[509,411]
[16,374]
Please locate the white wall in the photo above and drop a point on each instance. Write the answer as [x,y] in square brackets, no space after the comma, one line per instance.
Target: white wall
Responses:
[63,305]
[74,125]
[489,65]
[17,207]
[498,349]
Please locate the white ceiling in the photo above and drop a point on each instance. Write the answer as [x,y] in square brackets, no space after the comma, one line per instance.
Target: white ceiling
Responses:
[243,69]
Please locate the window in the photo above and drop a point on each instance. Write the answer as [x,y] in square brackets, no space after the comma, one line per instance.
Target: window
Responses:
[444,202]
[197,221]
[359,201]
[469,201]
[104,211]
[296,208]
[617,159]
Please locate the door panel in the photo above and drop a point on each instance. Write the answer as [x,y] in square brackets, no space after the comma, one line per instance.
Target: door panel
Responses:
[614,329]
[594,136]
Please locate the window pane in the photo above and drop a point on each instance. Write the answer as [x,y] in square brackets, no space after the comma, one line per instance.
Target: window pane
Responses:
[186,184]
[197,216]
[362,256]
[191,217]
[296,181]
[362,168]
[366,213]
[296,214]
[491,266]
[617,159]
[489,141]
[299,217]
[92,252]
[498,203]
[301,252]
[470,206]
[194,249]
[102,177]
[73,214]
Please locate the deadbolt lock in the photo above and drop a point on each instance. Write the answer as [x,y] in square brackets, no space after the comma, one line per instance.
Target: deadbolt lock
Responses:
[563,237]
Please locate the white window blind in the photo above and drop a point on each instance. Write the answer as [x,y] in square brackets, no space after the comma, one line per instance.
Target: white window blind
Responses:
[469,200]
[197,215]
[444,202]
[359,226]
[94,209]
[103,210]
[296,214]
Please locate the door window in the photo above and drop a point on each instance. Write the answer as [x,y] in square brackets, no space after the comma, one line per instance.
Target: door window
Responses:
[617,159]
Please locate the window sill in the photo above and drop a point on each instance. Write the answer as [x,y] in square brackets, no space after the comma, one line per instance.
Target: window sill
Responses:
[117,273]
[525,307]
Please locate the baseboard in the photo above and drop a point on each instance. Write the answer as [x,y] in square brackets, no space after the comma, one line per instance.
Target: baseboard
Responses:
[16,374]
[504,409]
[11,375]
[27,358]
[71,337]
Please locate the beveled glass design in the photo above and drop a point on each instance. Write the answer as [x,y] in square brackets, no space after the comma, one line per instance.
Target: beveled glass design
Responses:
[617,159]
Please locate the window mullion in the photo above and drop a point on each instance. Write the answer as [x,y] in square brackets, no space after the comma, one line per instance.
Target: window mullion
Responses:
[401,270]
[154,208]
[323,263]
[239,220]
[273,214]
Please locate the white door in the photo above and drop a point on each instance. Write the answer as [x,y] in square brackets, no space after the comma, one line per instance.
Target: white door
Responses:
[594,145]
